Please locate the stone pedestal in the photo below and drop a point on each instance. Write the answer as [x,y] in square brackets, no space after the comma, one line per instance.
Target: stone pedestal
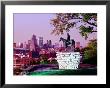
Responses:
[68,60]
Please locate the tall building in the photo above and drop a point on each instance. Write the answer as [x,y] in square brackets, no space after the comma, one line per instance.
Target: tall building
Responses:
[40,42]
[14,45]
[47,42]
[77,44]
[34,44]
[29,44]
[56,45]
[25,45]
[50,43]
[20,45]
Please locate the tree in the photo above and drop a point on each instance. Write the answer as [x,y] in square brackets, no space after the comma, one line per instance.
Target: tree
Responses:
[90,52]
[65,21]
[44,59]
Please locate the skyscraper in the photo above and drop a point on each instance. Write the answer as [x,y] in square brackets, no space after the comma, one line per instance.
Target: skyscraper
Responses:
[77,44]
[14,45]
[34,44]
[25,45]
[29,44]
[50,43]
[47,42]
[56,45]
[20,45]
[40,42]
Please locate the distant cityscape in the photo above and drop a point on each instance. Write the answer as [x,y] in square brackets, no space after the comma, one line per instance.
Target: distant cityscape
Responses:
[35,43]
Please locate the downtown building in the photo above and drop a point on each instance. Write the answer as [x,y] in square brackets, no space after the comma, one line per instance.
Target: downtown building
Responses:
[34,48]
[33,43]
[40,42]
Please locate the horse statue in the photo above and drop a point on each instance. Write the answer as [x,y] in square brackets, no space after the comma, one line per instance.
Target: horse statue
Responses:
[68,43]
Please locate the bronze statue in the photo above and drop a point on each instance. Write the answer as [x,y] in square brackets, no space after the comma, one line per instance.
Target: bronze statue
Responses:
[68,42]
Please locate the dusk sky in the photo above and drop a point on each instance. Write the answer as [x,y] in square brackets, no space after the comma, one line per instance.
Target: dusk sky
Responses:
[25,25]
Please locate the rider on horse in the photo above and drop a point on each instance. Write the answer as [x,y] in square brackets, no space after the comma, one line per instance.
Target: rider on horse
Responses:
[68,41]
[68,38]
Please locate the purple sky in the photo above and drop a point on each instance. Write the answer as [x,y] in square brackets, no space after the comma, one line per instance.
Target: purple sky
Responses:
[25,25]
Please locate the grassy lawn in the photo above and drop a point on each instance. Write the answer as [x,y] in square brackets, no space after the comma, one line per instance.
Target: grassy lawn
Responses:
[92,71]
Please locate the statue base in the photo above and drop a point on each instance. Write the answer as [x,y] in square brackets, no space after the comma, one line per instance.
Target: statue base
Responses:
[68,60]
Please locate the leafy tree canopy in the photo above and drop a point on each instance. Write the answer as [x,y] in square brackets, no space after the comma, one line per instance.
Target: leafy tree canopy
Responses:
[85,22]
[91,50]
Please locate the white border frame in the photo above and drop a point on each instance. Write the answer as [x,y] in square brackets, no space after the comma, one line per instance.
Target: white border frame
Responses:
[100,78]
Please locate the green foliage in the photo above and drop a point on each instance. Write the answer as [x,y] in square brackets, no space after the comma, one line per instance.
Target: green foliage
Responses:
[66,21]
[91,50]
[44,59]
[85,31]
[33,61]
[90,53]
[89,16]
[53,62]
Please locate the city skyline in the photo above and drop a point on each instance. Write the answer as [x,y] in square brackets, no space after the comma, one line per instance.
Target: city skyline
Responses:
[40,43]
[39,25]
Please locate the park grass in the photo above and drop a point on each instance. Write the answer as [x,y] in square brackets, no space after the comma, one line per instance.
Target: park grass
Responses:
[92,71]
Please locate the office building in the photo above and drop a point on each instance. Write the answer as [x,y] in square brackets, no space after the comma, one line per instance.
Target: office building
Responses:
[78,45]
[33,45]
[40,42]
